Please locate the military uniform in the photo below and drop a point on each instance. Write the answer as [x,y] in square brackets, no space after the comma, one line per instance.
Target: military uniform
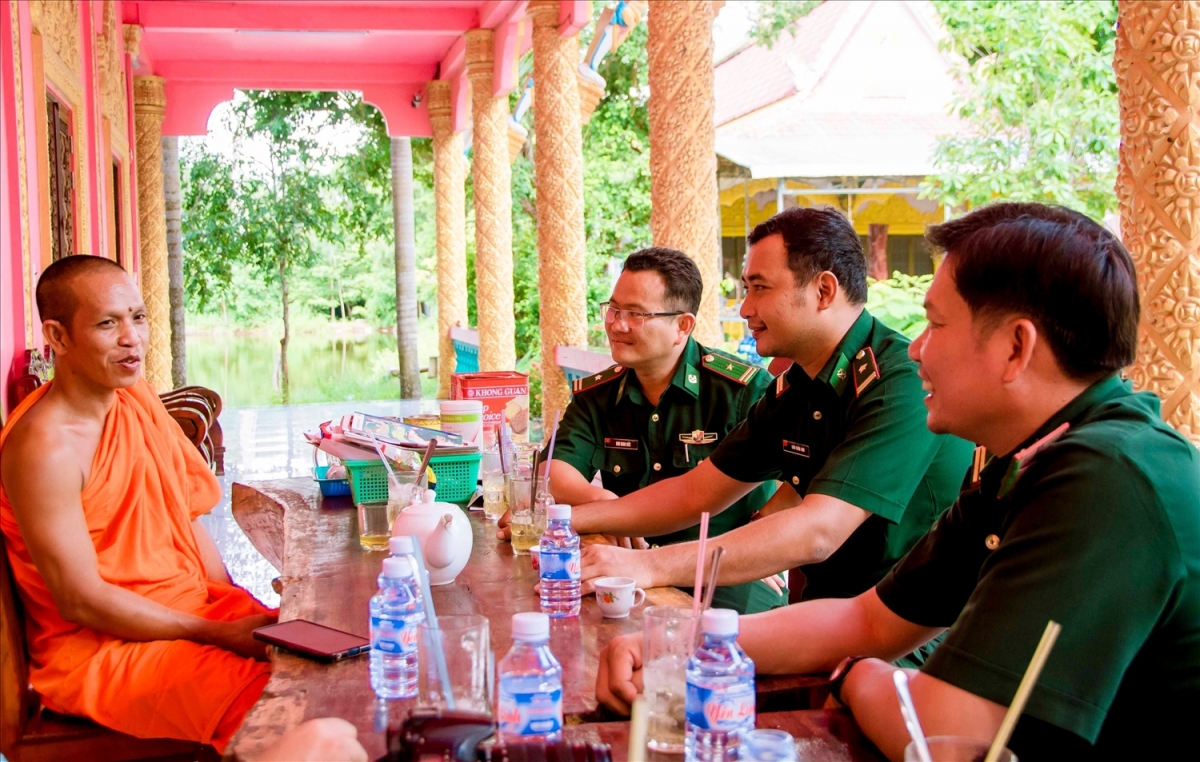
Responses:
[612,428]
[1093,522]
[856,432]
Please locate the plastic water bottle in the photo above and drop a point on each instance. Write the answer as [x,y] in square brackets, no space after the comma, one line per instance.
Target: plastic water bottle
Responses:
[396,611]
[560,564]
[720,691]
[768,746]
[530,705]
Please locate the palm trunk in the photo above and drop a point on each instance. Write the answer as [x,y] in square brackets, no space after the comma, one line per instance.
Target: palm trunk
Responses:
[406,269]
[173,211]
[283,343]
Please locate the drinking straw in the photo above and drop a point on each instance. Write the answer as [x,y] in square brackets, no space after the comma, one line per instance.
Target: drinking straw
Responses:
[698,587]
[909,712]
[421,475]
[715,564]
[638,723]
[550,450]
[431,620]
[379,449]
[1023,690]
[502,441]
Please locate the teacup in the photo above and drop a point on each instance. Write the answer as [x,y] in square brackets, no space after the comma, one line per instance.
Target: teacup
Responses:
[617,595]
[535,556]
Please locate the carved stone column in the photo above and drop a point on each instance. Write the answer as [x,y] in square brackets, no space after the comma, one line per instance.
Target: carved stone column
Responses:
[683,159]
[562,277]
[149,105]
[449,175]
[493,208]
[173,208]
[1158,186]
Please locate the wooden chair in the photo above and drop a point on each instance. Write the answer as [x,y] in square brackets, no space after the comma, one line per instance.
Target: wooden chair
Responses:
[31,733]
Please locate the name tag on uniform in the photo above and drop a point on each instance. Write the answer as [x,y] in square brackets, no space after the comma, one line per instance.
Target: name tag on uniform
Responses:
[795,448]
[620,444]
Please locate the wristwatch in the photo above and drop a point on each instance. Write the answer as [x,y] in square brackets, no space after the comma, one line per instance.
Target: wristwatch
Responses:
[838,676]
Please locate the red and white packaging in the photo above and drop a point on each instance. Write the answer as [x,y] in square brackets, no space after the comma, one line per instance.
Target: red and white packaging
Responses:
[504,394]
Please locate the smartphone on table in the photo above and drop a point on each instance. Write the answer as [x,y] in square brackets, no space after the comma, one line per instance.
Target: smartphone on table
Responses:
[316,641]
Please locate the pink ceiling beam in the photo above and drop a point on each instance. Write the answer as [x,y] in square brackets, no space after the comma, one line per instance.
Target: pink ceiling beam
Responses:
[306,16]
[575,15]
[284,75]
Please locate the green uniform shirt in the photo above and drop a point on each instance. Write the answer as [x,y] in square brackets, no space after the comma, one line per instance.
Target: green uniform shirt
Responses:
[1098,528]
[612,428]
[855,432]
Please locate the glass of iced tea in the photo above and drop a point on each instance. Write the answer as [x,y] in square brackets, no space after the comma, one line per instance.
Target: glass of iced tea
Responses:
[667,644]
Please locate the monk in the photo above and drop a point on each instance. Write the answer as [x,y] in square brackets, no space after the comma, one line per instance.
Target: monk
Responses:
[131,617]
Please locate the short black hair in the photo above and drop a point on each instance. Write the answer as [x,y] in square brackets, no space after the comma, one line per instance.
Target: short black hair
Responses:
[56,297]
[1061,269]
[819,239]
[681,278]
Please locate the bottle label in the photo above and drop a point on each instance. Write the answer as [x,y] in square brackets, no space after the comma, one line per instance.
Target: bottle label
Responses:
[530,714]
[722,709]
[560,564]
[394,636]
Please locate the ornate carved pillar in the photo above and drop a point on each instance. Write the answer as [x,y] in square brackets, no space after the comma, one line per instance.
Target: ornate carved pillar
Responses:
[1158,185]
[683,159]
[562,278]
[493,208]
[149,104]
[449,175]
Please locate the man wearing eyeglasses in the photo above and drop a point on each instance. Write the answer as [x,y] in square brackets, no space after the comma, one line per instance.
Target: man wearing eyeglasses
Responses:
[662,409]
[843,427]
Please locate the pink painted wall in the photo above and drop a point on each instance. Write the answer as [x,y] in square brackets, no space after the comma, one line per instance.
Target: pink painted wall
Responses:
[12,321]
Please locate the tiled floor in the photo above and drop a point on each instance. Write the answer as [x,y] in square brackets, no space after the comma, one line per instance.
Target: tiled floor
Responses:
[268,443]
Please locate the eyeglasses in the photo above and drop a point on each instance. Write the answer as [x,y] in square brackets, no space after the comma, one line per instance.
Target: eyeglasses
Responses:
[632,319]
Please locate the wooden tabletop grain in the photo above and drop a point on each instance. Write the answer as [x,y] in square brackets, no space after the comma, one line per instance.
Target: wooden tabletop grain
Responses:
[327,578]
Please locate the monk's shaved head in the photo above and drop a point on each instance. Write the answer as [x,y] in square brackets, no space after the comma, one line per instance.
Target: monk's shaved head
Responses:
[57,290]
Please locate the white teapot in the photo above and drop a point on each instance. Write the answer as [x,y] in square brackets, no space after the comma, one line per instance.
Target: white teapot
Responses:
[444,533]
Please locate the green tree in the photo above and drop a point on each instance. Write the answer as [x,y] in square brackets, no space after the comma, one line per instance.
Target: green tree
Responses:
[1040,104]
[771,17]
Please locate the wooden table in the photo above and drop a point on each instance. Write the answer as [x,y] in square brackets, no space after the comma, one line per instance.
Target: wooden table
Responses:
[327,578]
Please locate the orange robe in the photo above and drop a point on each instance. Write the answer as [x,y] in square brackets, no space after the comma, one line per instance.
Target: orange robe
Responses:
[146,485]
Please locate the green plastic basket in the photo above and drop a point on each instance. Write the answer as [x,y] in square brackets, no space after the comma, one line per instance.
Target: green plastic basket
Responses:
[456,477]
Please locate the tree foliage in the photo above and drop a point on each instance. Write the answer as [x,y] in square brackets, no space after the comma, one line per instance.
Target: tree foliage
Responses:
[1039,103]
[770,18]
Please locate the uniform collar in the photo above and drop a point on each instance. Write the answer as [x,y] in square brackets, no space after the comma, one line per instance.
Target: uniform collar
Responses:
[1105,389]
[686,377]
[837,372]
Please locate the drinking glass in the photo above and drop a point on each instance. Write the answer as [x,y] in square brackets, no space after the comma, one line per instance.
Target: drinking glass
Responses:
[956,749]
[668,633]
[495,500]
[374,529]
[402,486]
[527,513]
[466,646]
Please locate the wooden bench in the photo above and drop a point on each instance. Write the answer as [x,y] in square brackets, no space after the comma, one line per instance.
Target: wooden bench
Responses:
[31,733]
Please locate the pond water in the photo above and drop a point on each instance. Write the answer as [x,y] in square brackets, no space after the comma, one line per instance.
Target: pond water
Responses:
[244,368]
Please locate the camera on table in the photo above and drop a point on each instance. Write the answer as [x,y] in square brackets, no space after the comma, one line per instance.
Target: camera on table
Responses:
[463,737]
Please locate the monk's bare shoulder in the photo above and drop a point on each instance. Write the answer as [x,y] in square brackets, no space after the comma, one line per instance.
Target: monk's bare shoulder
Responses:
[43,452]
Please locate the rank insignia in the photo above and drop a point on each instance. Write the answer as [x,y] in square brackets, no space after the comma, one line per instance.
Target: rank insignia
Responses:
[781,383]
[978,462]
[604,376]
[866,370]
[615,443]
[693,379]
[795,448]
[1023,458]
[733,368]
[698,437]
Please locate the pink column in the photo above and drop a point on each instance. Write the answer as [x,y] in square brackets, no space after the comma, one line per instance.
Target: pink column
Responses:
[12,311]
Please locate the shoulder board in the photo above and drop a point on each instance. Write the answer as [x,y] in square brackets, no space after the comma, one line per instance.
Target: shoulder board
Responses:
[866,370]
[781,382]
[733,368]
[596,379]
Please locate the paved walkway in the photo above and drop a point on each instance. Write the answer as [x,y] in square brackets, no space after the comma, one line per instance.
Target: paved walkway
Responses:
[268,443]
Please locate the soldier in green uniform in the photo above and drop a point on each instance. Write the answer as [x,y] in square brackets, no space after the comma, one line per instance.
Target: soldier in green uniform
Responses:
[662,409]
[1087,514]
[844,428]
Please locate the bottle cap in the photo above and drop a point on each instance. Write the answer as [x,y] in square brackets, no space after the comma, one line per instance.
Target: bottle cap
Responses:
[719,622]
[397,566]
[401,545]
[530,625]
[556,512]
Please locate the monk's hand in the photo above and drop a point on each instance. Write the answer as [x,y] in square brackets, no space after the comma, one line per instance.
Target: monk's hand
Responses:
[502,531]
[619,678]
[611,561]
[330,739]
[238,635]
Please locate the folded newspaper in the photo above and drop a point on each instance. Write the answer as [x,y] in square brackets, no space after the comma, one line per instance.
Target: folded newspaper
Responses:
[359,427]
